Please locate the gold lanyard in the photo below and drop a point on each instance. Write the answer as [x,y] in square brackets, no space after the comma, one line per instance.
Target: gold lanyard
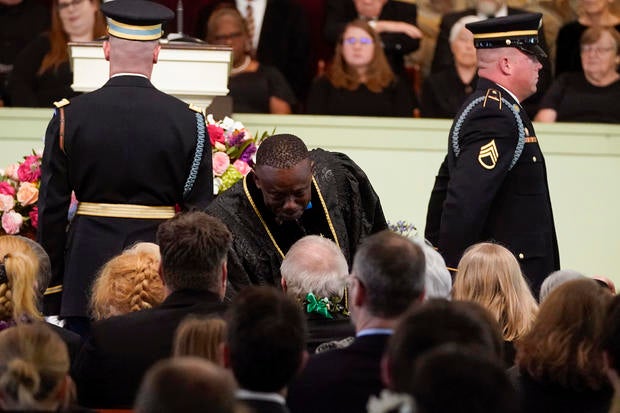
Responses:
[262,220]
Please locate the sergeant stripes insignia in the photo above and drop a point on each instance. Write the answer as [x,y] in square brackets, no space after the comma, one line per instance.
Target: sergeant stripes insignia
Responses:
[488,151]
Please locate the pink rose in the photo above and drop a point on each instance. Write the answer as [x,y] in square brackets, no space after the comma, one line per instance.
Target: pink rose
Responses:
[30,169]
[34,217]
[11,222]
[6,188]
[216,134]
[28,193]
[7,202]
[221,162]
[11,171]
[242,167]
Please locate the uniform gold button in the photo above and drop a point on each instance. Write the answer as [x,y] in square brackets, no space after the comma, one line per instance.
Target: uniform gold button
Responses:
[521,256]
[533,158]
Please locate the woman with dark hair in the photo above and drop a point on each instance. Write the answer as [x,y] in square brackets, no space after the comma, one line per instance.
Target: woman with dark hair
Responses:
[359,81]
[254,87]
[559,366]
[42,71]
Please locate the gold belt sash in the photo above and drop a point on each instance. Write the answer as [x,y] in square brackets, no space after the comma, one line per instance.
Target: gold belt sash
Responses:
[125,211]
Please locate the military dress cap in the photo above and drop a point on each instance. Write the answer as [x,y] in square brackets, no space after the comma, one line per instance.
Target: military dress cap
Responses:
[518,30]
[136,19]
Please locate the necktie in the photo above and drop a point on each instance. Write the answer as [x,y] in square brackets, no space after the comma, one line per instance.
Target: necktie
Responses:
[249,21]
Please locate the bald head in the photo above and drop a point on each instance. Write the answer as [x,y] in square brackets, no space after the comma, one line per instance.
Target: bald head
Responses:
[131,56]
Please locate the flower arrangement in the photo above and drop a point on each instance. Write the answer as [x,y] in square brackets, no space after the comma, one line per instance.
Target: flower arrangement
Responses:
[19,192]
[404,228]
[233,151]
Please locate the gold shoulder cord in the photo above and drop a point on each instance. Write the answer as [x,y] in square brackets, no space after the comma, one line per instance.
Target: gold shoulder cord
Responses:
[260,217]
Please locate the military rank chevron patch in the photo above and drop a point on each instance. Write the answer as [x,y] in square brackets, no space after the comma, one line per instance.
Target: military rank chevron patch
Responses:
[488,155]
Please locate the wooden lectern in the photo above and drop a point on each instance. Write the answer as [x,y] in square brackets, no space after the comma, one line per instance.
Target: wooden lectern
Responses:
[193,72]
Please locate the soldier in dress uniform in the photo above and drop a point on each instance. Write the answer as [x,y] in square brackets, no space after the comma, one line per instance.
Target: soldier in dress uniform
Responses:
[131,153]
[492,184]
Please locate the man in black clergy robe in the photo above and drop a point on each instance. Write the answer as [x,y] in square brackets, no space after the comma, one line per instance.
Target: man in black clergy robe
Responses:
[293,192]
[130,152]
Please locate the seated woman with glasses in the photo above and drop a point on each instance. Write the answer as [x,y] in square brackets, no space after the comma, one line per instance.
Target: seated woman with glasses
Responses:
[591,96]
[42,71]
[359,81]
[254,87]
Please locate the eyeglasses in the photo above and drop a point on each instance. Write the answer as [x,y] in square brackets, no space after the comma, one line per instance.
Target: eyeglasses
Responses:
[65,6]
[224,37]
[354,40]
[596,50]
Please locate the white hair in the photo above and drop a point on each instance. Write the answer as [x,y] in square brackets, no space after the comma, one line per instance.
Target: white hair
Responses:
[315,264]
[555,279]
[460,24]
[437,278]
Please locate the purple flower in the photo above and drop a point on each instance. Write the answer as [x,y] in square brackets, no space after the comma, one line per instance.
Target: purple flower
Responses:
[236,138]
[246,156]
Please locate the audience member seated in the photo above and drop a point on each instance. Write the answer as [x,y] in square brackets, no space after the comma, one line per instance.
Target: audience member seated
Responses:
[593,94]
[610,345]
[555,279]
[200,337]
[444,92]
[279,36]
[386,279]
[24,275]
[254,87]
[314,272]
[34,370]
[42,71]
[265,346]
[444,59]
[437,278]
[120,349]
[20,22]
[395,22]
[559,362]
[128,282]
[606,283]
[591,13]
[359,81]
[188,385]
[291,193]
[489,275]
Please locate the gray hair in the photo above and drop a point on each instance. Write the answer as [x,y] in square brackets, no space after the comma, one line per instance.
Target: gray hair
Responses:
[391,267]
[460,25]
[437,278]
[315,264]
[555,279]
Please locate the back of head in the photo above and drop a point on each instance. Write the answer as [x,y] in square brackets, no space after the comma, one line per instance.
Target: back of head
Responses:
[19,269]
[315,265]
[452,379]
[610,341]
[193,248]
[563,345]
[34,368]
[489,275]
[430,325]
[44,274]
[391,267]
[200,337]
[266,339]
[128,282]
[555,279]
[437,278]
[188,385]
[281,151]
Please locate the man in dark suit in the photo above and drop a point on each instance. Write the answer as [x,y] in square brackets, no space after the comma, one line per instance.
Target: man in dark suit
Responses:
[394,20]
[121,349]
[493,183]
[131,153]
[387,277]
[443,57]
[265,346]
[282,38]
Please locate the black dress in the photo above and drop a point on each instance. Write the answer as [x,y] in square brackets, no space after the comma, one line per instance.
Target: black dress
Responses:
[29,89]
[443,94]
[325,99]
[577,100]
[568,54]
[251,91]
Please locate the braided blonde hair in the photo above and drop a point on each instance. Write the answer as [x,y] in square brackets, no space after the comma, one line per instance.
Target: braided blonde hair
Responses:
[128,282]
[18,296]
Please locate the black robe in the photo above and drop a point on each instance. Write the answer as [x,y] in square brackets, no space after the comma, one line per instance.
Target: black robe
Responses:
[354,210]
